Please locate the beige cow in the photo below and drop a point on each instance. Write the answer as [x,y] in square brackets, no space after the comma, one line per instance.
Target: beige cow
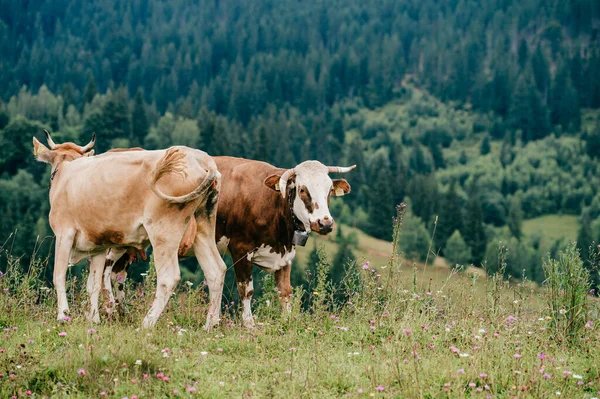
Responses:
[128,200]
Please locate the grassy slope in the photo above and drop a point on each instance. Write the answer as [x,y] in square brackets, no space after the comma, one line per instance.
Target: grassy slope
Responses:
[390,338]
[553,227]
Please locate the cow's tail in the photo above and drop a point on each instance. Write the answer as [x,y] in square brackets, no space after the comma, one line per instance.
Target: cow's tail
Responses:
[173,162]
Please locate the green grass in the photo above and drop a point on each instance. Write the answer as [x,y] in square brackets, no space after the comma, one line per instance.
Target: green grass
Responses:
[553,227]
[390,338]
[369,248]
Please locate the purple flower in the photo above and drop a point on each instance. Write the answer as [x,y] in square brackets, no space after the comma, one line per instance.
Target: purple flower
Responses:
[81,372]
[62,334]
[379,388]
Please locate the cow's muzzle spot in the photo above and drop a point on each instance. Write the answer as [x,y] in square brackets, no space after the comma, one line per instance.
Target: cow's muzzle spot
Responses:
[323,226]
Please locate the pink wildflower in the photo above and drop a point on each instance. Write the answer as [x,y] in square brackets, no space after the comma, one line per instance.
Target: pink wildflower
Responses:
[483,375]
[407,332]
[62,334]
[81,372]
[191,389]
[461,371]
[517,356]
[293,348]
[379,388]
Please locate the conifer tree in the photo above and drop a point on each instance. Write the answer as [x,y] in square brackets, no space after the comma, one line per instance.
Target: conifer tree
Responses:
[456,250]
[90,91]
[450,216]
[473,229]
[485,147]
[515,218]
[381,200]
[139,120]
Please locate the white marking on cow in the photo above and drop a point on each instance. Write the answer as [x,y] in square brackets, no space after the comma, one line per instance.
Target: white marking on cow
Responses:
[223,244]
[271,260]
[247,317]
[314,176]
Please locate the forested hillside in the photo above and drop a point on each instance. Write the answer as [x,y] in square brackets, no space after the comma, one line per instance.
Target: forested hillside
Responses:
[477,114]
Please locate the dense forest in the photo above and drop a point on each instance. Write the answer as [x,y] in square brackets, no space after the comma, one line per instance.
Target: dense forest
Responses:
[478,114]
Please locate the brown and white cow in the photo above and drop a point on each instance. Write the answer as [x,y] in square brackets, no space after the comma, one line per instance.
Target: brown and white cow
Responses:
[130,200]
[260,209]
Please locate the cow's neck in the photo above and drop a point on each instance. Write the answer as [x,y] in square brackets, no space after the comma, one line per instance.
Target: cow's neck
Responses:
[56,167]
[291,222]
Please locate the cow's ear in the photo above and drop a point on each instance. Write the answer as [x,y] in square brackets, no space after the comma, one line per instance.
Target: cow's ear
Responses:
[41,152]
[89,153]
[273,182]
[340,187]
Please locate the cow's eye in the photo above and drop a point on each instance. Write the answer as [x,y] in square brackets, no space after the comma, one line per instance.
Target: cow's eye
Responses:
[302,191]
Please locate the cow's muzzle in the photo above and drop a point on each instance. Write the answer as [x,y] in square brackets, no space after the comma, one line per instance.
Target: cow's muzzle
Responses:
[323,226]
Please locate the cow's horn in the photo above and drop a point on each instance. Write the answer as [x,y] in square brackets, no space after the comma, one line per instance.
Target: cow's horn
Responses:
[288,174]
[89,145]
[51,143]
[340,169]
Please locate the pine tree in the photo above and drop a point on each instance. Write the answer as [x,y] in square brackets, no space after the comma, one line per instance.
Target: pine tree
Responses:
[115,116]
[139,120]
[262,144]
[564,102]
[523,53]
[206,123]
[456,251]
[338,131]
[473,229]
[541,72]
[68,95]
[527,111]
[592,141]
[90,91]
[515,218]
[485,145]
[381,200]
[450,216]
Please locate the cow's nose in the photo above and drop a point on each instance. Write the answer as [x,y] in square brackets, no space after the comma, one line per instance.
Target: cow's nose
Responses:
[325,225]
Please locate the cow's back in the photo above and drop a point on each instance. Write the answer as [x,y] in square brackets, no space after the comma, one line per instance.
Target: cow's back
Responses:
[110,193]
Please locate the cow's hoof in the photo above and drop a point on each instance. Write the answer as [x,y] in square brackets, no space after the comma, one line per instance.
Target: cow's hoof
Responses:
[210,324]
[148,323]
[63,318]
[248,323]
[93,317]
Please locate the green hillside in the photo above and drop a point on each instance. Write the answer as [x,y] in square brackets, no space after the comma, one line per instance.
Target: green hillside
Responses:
[553,227]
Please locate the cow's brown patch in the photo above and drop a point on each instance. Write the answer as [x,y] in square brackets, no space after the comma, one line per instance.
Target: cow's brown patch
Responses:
[108,237]
[306,198]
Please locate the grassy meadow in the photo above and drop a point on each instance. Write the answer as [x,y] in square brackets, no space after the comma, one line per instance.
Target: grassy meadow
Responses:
[397,330]
[553,227]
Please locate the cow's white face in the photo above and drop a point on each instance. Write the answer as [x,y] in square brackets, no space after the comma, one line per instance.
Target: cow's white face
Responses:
[312,188]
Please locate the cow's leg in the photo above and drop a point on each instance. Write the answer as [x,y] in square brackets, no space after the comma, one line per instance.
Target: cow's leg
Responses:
[96,273]
[245,286]
[113,256]
[119,279]
[64,243]
[282,278]
[167,277]
[207,254]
